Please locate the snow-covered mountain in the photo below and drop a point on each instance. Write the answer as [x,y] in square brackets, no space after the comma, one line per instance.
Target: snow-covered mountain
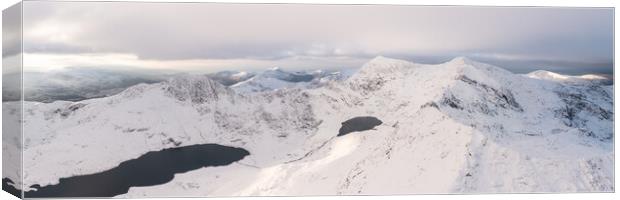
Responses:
[456,127]
[276,79]
[77,84]
[582,79]
[229,78]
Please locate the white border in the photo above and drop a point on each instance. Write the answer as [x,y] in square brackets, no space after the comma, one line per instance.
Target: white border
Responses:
[567,3]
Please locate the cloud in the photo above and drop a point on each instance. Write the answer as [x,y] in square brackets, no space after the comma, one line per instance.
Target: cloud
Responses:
[11,31]
[268,33]
[51,62]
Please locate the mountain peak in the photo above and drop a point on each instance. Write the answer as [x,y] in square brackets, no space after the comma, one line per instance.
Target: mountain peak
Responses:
[196,88]
[382,60]
[587,78]
[544,74]
[462,60]
[381,63]
[191,80]
[377,71]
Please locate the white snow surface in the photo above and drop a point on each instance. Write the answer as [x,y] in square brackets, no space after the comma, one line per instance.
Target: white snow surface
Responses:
[457,127]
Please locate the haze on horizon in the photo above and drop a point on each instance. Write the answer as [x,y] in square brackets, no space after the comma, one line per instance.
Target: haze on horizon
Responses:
[210,37]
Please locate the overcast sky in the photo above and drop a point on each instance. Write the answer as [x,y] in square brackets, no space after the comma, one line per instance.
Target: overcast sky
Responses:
[209,37]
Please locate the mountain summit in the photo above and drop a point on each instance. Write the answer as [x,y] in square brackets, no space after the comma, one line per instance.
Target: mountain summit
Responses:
[579,80]
[195,88]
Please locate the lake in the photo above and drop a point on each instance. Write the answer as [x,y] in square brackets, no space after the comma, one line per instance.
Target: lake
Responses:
[358,124]
[152,168]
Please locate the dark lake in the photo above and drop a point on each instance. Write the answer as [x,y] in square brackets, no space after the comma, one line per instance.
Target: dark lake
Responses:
[152,168]
[7,187]
[358,124]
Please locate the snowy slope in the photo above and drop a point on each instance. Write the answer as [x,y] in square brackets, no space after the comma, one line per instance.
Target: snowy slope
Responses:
[456,127]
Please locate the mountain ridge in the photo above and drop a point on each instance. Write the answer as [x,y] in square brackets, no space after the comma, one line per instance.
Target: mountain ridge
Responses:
[461,126]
